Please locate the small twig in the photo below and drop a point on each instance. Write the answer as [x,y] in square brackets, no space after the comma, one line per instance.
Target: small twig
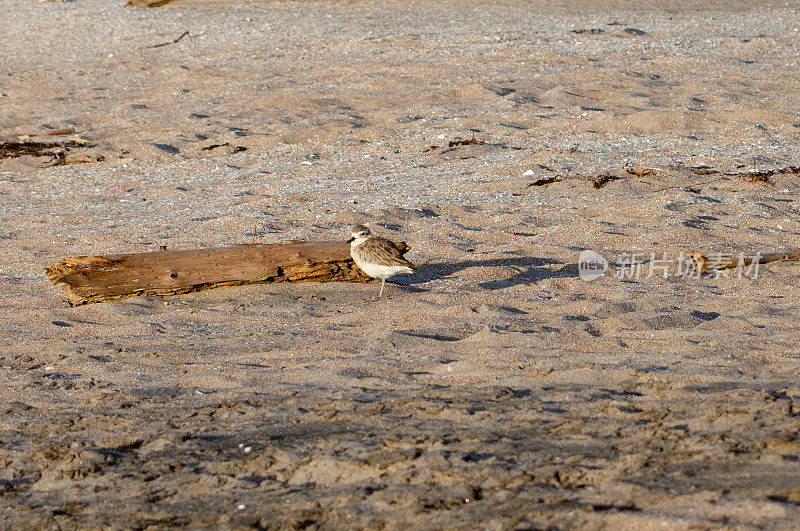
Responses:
[174,41]
[603,179]
[58,132]
[214,146]
[148,3]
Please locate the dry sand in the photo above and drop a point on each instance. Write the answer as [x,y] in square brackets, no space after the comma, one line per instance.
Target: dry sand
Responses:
[494,388]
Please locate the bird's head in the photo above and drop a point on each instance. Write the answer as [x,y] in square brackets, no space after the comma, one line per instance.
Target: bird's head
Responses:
[359,233]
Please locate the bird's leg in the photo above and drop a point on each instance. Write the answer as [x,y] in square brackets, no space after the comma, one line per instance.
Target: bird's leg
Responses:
[383,281]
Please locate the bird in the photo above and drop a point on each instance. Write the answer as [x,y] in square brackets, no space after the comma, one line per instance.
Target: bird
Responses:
[376,256]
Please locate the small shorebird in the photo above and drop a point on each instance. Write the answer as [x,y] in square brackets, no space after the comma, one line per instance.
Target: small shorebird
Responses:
[376,256]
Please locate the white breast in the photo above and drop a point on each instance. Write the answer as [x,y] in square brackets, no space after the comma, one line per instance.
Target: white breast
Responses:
[380,271]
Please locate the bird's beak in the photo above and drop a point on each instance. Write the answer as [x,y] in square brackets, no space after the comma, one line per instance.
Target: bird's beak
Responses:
[352,238]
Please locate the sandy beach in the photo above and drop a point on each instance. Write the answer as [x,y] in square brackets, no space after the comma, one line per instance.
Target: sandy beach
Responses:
[493,389]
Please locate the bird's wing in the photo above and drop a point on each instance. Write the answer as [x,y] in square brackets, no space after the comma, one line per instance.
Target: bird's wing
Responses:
[385,251]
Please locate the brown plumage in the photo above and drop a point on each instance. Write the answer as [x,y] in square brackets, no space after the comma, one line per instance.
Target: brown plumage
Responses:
[378,257]
[382,251]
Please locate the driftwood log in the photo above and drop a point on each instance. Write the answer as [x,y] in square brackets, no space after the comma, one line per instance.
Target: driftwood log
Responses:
[87,279]
[707,263]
